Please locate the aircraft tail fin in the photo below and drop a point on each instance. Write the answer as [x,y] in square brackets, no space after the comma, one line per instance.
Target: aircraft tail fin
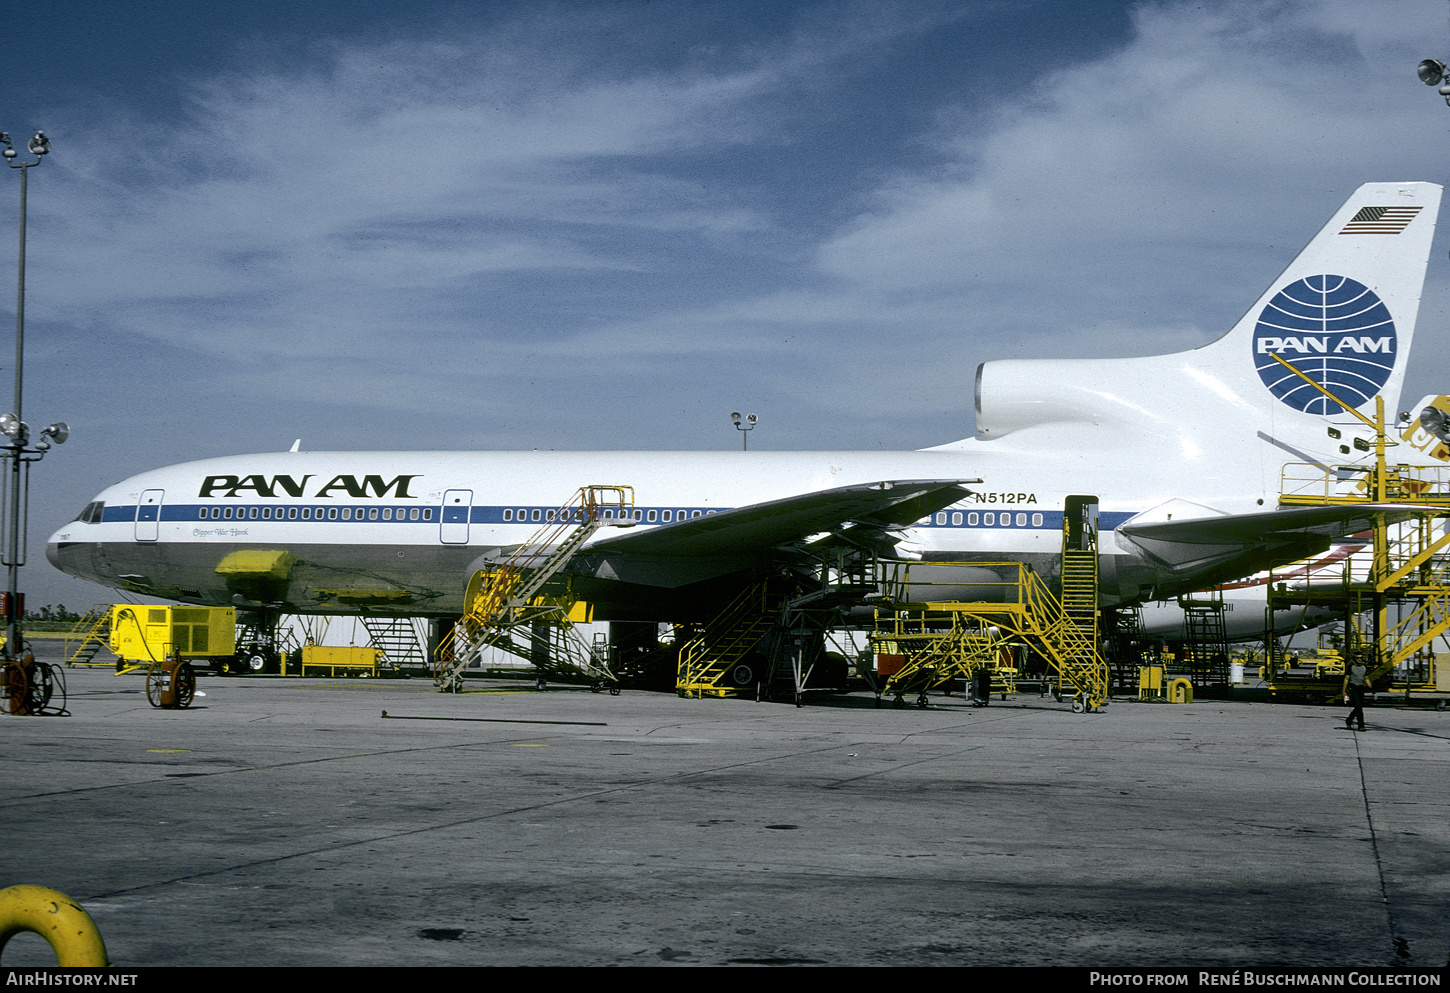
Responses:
[1343,312]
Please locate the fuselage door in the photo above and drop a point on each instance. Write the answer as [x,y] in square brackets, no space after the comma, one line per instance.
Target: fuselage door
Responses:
[1080,524]
[454,527]
[148,515]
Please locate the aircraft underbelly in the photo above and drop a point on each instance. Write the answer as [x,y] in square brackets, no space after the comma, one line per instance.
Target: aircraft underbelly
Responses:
[429,580]
[407,580]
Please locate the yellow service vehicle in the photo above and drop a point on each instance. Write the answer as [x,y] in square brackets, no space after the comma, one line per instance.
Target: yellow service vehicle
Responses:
[320,660]
[142,634]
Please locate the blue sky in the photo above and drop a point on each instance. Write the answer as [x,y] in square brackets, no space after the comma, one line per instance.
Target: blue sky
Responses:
[607,225]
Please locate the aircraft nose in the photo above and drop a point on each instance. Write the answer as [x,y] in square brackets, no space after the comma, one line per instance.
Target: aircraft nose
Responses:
[52,551]
[64,550]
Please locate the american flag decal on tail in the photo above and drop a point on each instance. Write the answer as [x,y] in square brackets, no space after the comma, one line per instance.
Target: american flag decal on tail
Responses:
[1380,220]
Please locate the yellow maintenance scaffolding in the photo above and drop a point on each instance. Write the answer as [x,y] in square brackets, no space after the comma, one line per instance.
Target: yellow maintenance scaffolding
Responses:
[1397,602]
[948,629]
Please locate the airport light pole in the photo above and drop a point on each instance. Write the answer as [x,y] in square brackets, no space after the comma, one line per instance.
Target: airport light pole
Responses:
[745,428]
[15,429]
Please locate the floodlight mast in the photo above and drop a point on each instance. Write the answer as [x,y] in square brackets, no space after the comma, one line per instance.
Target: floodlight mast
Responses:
[745,428]
[11,425]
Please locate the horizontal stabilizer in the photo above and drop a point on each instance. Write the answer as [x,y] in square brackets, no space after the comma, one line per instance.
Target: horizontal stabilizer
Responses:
[1248,543]
[761,526]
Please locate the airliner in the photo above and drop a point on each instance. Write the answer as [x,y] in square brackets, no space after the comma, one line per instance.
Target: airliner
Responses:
[1179,456]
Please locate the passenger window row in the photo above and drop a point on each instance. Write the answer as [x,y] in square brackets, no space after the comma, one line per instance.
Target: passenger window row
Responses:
[655,516]
[314,513]
[989,519]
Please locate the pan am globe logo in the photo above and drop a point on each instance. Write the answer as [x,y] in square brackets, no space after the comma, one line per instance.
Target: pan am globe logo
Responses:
[1333,329]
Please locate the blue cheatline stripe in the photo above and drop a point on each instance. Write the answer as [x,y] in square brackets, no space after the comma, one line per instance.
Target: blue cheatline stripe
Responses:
[974,519]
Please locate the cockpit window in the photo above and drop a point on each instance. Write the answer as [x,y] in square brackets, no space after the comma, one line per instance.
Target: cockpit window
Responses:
[92,512]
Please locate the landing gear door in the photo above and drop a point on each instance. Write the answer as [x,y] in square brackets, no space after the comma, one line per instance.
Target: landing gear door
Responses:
[453,529]
[148,515]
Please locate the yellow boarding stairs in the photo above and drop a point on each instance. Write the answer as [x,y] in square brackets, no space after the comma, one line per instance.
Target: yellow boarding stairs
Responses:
[709,661]
[505,597]
[979,618]
[88,636]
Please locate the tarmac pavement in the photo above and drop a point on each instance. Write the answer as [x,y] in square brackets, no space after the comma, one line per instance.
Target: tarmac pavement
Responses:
[288,822]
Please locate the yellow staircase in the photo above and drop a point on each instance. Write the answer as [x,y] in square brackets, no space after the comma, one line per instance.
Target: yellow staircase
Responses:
[505,597]
[708,659]
[89,635]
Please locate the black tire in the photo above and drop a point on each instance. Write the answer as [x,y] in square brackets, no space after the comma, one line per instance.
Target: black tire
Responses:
[185,684]
[741,675]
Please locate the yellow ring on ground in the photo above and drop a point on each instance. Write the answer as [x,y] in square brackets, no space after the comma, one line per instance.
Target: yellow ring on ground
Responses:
[56,918]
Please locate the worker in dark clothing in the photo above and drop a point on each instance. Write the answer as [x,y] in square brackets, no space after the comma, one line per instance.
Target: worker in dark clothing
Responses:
[1356,674]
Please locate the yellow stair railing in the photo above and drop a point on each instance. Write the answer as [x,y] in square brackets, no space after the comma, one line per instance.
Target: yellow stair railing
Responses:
[88,636]
[506,596]
[726,639]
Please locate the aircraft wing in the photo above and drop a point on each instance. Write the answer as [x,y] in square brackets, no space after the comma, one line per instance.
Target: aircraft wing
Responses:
[761,526]
[1273,537]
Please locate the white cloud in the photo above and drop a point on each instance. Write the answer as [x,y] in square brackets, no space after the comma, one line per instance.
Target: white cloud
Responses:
[1162,182]
[520,218]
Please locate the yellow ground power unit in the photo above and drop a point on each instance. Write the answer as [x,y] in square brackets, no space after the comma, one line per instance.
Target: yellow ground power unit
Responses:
[142,633]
